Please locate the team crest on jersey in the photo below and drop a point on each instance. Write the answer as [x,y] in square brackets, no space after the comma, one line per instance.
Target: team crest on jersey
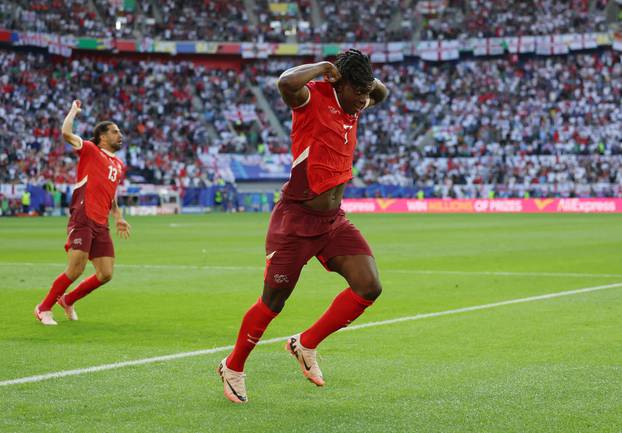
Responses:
[281,278]
[332,110]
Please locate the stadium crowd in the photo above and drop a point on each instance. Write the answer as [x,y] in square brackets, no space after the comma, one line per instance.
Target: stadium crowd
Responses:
[174,116]
[552,121]
[214,20]
[489,122]
[272,21]
[60,17]
[221,20]
[534,121]
[283,22]
[377,21]
[494,18]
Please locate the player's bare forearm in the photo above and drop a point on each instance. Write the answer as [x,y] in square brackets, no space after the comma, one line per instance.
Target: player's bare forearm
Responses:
[68,123]
[122,226]
[295,78]
[67,128]
[379,93]
[292,82]
[115,210]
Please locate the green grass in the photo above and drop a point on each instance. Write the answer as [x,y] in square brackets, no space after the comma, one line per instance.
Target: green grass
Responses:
[183,283]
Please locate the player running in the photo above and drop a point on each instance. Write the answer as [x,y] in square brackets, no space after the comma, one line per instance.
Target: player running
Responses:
[88,237]
[308,220]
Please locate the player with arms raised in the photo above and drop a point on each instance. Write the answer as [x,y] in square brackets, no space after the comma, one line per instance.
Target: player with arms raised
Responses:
[94,197]
[308,221]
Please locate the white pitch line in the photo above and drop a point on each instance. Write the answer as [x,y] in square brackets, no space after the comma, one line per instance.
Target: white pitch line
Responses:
[485,306]
[147,266]
[402,271]
[174,356]
[504,273]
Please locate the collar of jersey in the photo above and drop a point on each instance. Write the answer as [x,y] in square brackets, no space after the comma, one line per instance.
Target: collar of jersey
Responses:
[337,99]
[107,152]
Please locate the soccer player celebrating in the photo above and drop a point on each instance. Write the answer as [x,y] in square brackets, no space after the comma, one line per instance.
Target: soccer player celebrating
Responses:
[88,237]
[308,220]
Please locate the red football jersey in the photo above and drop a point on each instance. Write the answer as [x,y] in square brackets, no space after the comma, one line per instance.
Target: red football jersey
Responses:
[323,141]
[99,174]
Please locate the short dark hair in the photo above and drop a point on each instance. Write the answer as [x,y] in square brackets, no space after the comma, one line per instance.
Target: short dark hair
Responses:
[101,128]
[355,68]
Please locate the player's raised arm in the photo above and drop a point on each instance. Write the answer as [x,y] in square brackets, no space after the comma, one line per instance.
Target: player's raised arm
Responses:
[378,94]
[68,135]
[292,82]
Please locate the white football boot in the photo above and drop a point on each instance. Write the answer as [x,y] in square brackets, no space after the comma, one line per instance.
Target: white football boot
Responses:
[45,317]
[306,358]
[70,312]
[234,384]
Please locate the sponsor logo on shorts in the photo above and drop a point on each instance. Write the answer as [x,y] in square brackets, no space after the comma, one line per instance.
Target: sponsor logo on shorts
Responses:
[281,278]
[77,241]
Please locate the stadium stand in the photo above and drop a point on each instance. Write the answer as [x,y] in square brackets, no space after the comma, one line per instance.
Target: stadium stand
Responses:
[377,21]
[490,18]
[272,21]
[61,17]
[284,21]
[223,20]
[500,122]
[510,126]
[495,121]
[231,20]
[170,112]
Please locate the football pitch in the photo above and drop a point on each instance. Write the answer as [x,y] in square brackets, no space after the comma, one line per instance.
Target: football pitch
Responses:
[463,339]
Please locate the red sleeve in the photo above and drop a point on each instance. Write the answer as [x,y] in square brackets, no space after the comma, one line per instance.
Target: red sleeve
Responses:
[88,147]
[312,86]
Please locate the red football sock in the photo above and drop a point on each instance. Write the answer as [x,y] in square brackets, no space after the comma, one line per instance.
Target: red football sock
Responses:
[84,288]
[254,323]
[59,286]
[346,307]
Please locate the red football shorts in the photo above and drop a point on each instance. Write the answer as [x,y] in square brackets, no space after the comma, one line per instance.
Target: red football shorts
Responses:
[86,235]
[297,233]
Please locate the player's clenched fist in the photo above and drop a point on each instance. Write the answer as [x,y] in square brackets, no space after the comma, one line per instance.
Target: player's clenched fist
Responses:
[331,74]
[76,106]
